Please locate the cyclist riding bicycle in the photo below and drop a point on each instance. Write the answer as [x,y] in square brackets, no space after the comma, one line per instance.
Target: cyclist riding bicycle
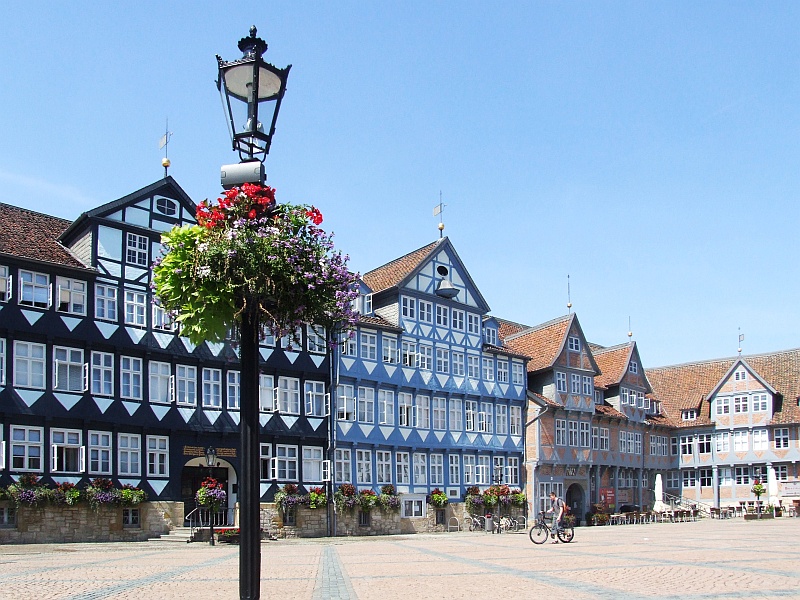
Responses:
[557,509]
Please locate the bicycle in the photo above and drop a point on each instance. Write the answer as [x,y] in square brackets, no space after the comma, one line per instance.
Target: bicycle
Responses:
[509,524]
[475,523]
[541,531]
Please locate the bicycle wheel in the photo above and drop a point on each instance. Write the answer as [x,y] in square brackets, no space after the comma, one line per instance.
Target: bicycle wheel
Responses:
[472,524]
[538,534]
[565,534]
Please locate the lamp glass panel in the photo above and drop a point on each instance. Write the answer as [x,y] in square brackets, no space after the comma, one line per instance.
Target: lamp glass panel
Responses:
[239,78]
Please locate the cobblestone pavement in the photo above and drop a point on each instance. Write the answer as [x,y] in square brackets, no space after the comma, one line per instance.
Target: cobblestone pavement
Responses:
[705,560]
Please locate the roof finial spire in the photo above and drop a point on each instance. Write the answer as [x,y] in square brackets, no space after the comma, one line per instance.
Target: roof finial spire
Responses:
[741,339]
[630,331]
[569,299]
[439,210]
[164,143]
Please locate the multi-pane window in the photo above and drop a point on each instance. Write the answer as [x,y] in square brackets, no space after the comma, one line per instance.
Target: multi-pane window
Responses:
[673,480]
[34,289]
[68,369]
[587,386]
[363,466]
[689,414]
[345,403]
[573,433]
[316,404]
[67,454]
[29,365]
[633,367]
[458,319]
[740,404]
[442,360]
[689,478]
[488,369]
[473,323]
[135,303]
[502,371]
[740,441]
[383,465]
[5,284]
[704,443]
[723,406]
[574,343]
[342,465]
[130,377]
[517,373]
[289,395]
[561,382]
[473,367]
[71,294]
[574,383]
[186,385]
[136,249]
[162,320]
[2,361]
[782,472]
[471,412]
[293,340]
[742,475]
[312,463]
[469,469]
[408,355]
[458,364]
[687,444]
[740,375]
[160,376]
[105,302]
[456,420]
[781,437]
[499,469]
[515,420]
[486,418]
[405,405]
[285,463]
[561,432]
[442,315]
[760,439]
[265,457]
[369,346]
[439,413]
[366,405]
[490,336]
[315,334]
[128,454]
[725,476]
[27,448]
[403,466]
[759,472]
[760,402]
[157,456]
[512,471]
[454,470]
[425,311]
[102,373]
[389,350]
[723,441]
[423,412]
[386,407]
[482,474]
[268,393]
[234,389]
[502,419]
[420,468]
[605,438]
[99,453]
[408,307]
[596,438]
[437,469]
[584,434]
[425,357]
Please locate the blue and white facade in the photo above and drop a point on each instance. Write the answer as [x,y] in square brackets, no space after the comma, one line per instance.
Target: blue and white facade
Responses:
[425,395]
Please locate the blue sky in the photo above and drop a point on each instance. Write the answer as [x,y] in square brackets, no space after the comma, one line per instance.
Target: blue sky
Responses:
[649,150]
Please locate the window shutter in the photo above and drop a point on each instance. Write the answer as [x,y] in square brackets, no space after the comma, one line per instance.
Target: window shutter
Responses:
[55,458]
[50,296]
[326,470]
[172,388]
[327,398]
[83,459]
[2,455]
[309,402]
[273,469]
[86,377]
[275,406]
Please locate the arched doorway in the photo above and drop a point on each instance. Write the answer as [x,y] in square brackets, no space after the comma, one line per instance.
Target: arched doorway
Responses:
[576,501]
[192,476]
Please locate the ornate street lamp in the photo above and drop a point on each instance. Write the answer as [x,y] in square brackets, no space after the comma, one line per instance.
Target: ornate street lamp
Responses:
[250,87]
[211,460]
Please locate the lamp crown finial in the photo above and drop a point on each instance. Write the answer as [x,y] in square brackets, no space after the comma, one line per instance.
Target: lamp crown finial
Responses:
[252,46]
[253,31]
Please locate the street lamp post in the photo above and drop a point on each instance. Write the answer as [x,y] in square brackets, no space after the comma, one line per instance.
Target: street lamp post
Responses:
[211,460]
[497,479]
[249,87]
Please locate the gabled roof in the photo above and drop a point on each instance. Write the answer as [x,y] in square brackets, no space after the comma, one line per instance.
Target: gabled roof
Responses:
[542,343]
[689,385]
[613,362]
[396,273]
[167,187]
[506,328]
[34,236]
[376,321]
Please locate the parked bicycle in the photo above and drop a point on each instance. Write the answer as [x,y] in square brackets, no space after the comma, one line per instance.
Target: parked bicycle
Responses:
[541,531]
[475,523]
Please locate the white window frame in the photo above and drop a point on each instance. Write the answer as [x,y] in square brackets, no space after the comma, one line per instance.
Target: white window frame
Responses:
[561,432]
[501,419]
[760,438]
[439,413]
[383,467]
[267,393]
[605,438]
[408,355]
[161,388]
[741,404]
[100,450]
[561,382]
[425,311]
[5,284]
[317,401]
[517,373]
[511,475]
[425,357]
[157,456]
[436,470]
[130,378]
[386,407]
[343,465]
[365,408]
[442,360]
[72,360]
[34,289]
[27,449]
[781,437]
[574,343]
[482,470]
[456,410]
[442,316]
[574,384]
[66,445]
[573,434]
[71,294]
[741,441]
[389,350]
[137,249]
[488,368]
[458,364]
[185,385]
[2,361]
[289,395]
[129,454]
[471,414]
[469,469]
[405,406]
[105,302]
[30,366]
[313,464]
[584,434]
[285,463]
[473,366]
[413,506]
[454,469]
[422,412]
[420,460]
[363,467]
[473,323]
[135,303]
[102,373]
[515,420]
[502,371]
[162,320]
[403,468]
[457,319]
[316,339]
[408,308]
[233,389]
[490,335]
[723,406]
[369,345]
[345,402]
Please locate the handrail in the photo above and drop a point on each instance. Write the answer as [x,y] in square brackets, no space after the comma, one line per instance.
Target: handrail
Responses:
[686,503]
[201,517]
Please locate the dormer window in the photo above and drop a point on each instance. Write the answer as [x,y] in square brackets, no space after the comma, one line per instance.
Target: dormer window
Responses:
[166,206]
[366,304]
[490,335]
[689,414]
[633,367]
[574,343]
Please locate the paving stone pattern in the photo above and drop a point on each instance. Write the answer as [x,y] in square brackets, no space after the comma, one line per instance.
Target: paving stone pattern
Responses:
[688,561]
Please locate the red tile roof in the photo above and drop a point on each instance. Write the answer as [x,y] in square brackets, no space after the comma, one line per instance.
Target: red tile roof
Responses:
[546,400]
[609,411]
[542,344]
[392,273]
[613,363]
[378,322]
[506,328]
[34,236]
[686,386]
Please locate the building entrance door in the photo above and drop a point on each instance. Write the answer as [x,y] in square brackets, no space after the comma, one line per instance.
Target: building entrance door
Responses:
[192,478]
[576,501]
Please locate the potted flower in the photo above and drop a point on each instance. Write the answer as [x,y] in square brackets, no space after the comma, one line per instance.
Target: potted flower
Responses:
[317,498]
[67,494]
[345,498]
[28,491]
[101,492]
[288,498]
[388,498]
[758,489]
[438,498]
[229,536]
[367,499]
[518,498]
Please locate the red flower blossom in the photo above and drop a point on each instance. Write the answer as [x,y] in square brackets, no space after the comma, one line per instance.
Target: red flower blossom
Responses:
[314,214]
